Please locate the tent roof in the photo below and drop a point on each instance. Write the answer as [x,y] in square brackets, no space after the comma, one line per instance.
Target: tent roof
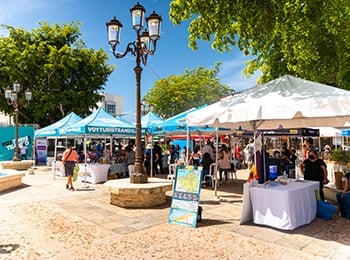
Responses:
[53,129]
[178,124]
[150,119]
[284,102]
[100,123]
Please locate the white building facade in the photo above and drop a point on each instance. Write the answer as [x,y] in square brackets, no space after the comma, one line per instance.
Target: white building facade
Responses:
[113,105]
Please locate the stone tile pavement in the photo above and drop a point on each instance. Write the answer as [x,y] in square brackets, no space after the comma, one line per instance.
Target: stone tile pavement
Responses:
[90,202]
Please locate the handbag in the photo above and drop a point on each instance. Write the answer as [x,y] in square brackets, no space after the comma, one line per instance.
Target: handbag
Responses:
[75,172]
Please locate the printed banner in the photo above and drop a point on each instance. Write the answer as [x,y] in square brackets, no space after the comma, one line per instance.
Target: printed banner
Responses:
[41,151]
[186,195]
[8,141]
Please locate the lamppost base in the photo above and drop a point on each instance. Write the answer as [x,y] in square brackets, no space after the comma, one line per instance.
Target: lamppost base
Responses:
[138,178]
[16,159]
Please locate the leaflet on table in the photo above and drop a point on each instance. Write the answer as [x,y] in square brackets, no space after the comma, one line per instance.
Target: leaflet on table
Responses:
[186,195]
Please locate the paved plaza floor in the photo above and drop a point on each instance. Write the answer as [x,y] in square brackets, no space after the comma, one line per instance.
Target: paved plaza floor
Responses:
[43,220]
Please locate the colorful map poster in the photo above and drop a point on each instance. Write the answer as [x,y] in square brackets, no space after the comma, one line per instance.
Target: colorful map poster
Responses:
[186,194]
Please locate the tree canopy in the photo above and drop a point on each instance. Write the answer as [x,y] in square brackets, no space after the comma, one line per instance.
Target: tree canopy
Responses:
[177,93]
[52,61]
[309,39]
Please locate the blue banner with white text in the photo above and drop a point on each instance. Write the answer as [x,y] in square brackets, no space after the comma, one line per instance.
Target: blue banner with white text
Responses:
[8,141]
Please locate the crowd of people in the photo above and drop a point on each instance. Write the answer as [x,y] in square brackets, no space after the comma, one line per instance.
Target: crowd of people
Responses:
[312,166]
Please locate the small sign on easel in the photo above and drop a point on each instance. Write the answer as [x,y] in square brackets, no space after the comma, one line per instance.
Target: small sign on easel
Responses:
[186,194]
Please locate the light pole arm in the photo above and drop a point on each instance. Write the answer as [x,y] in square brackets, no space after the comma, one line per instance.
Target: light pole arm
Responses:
[131,47]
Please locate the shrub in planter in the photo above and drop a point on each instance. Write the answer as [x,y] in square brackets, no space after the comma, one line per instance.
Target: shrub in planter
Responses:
[338,155]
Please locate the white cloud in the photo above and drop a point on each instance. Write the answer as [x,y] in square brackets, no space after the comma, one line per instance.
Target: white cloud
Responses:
[231,73]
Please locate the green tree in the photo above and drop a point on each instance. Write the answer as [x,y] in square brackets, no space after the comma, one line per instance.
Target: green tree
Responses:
[178,93]
[304,38]
[52,61]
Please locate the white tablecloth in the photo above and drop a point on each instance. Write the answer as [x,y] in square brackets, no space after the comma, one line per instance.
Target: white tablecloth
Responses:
[285,206]
[58,168]
[93,173]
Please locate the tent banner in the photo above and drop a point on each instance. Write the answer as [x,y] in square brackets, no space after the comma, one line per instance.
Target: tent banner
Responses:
[8,141]
[110,130]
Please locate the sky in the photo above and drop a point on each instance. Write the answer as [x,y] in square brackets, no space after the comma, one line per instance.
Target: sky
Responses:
[172,56]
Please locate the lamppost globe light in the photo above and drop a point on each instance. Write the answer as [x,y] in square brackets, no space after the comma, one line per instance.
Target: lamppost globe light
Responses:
[154,21]
[137,14]
[28,94]
[144,45]
[11,96]
[113,30]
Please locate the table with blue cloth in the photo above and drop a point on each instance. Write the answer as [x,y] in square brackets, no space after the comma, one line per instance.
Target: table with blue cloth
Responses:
[118,169]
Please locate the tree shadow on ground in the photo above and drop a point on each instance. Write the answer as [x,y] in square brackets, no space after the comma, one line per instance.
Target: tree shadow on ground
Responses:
[211,222]
[8,248]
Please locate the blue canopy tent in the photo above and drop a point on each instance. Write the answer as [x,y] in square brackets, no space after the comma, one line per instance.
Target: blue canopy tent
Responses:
[53,129]
[100,123]
[178,124]
[148,121]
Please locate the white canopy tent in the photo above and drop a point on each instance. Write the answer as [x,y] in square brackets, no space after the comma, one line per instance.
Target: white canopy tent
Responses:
[284,102]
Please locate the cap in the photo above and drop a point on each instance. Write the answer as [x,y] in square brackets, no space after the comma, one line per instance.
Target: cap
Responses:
[313,149]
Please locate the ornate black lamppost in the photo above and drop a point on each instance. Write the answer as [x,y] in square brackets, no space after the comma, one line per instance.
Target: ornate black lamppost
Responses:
[12,98]
[144,45]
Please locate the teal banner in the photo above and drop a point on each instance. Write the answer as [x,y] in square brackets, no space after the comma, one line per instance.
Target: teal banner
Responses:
[8,141]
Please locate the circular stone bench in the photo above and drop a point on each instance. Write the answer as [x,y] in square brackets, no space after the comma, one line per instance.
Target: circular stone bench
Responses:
[144,195]
[17,165]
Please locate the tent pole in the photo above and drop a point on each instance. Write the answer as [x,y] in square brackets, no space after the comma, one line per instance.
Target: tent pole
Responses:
[151,160]
[85,153]
[54,159]
[216,160]
[187,142]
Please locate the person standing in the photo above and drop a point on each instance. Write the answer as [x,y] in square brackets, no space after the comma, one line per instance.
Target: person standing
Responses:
[343,197]
[238,155]
[224,164]
[207,148]
[206,162]
[130,158]
[250,151]
[23,152]
[308,144]
[315,169]
[158,158]
[196,156]
[69,159]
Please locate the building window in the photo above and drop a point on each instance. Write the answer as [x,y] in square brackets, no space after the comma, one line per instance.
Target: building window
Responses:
[110,108]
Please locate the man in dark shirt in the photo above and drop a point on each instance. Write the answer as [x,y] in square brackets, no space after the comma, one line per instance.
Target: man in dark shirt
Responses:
[158,160]
[315,169]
